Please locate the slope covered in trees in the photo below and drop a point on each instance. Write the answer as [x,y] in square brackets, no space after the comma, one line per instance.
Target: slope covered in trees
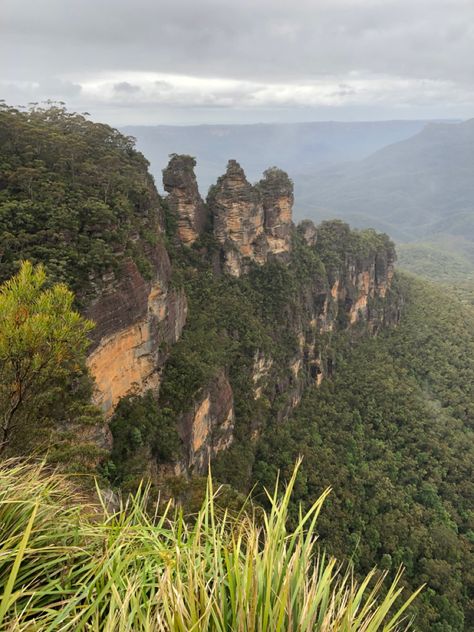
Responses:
[393,433]
[74,195]
[411,189]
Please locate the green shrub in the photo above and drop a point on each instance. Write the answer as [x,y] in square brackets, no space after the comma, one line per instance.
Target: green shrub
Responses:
[64,566]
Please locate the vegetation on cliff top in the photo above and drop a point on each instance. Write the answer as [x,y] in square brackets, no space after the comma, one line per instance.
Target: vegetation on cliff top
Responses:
[74,195]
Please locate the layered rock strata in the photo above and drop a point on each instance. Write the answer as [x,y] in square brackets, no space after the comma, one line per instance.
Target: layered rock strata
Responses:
[251,223]
[136,322]
[184,199]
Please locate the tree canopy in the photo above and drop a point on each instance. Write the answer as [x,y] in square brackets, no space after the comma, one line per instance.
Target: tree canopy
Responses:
[43,379]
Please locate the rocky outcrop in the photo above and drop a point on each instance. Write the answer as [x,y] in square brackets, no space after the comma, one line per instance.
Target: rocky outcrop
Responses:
[350,294]
[136,322]
[208,428]
[276,191]
[139,319]
[184,200]
[250,223]
[238,219]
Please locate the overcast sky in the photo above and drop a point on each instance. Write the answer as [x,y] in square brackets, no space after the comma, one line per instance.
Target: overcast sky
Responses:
[205,61]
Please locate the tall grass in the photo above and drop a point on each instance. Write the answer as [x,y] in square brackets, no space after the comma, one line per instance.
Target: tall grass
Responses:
[64,565]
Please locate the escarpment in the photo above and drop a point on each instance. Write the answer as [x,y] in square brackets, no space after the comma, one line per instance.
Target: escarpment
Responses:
[298,287]
[220,372]
[221,308]
[224,334]
[137,320]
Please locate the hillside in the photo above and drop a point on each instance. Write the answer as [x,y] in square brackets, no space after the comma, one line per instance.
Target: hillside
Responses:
[412,189]
[446,259]
[393,433]
[227,334]
[298,148]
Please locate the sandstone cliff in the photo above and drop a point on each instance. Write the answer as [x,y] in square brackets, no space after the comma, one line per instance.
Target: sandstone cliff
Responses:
[341,279]
[207,429]
[136,322]
[328,280]
[251,223]
[220,312]
[179,181]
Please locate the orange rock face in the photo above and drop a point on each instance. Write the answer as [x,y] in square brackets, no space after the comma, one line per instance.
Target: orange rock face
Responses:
[251,223]
[208,428]
[136,322]
[238,218]
[129,360]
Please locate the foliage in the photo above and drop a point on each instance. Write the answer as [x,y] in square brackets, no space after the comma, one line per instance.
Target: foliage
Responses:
[141,431]
[63,566]
[74,195]
[43,342]
[392,432]
[230,321]
[337,242]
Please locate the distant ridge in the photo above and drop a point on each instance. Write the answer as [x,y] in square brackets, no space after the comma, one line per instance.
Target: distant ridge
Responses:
[298,148]
[412,189]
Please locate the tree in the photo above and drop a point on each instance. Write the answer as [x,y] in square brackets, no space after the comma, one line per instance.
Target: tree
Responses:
[43,342]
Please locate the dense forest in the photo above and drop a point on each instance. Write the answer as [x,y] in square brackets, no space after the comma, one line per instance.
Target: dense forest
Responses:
[392,433]
[74,195]
[389,429]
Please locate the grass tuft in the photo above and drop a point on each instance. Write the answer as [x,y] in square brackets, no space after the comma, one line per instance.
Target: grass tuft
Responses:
[68,565]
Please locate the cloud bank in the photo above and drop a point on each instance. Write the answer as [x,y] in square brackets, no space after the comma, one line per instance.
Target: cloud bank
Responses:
[216,60]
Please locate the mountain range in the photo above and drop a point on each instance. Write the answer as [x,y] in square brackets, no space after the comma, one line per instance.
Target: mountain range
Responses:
[298,148]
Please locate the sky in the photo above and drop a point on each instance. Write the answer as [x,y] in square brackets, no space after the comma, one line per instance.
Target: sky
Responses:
[241,61]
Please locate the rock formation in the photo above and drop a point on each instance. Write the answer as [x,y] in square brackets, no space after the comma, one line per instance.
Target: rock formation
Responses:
[250,223]
[136,322]
[179,181]
[237,212]
[276,191]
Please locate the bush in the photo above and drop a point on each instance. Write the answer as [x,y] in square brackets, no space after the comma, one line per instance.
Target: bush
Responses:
[64,567]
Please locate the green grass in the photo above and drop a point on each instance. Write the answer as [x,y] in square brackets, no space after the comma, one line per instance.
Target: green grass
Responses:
[66,564]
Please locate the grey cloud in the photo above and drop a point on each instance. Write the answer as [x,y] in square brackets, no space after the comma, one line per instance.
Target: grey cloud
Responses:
[54,87]
[265,41]
[162,85]
[126,87]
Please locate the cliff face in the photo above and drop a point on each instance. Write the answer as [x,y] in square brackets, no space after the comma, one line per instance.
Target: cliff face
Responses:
[349,297]
[237,212]
[331,280]
[136,322]
[179,181]
[208,428]
[265,298]
[252,225]
[276,191]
